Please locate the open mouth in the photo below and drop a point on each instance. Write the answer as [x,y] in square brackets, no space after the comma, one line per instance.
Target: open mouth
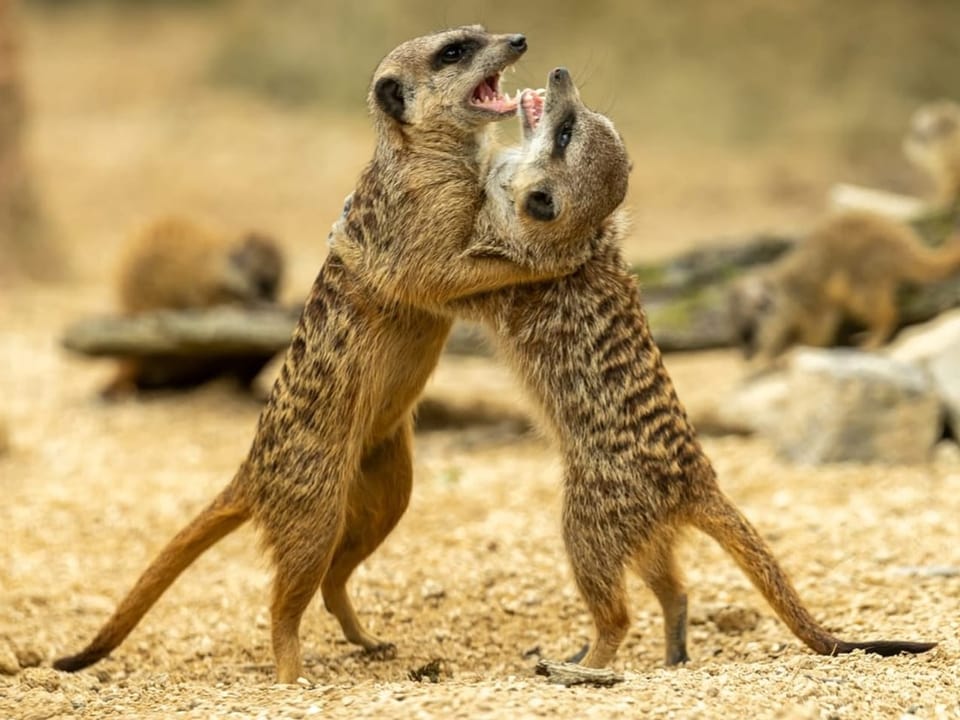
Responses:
[488,96]
[531,104]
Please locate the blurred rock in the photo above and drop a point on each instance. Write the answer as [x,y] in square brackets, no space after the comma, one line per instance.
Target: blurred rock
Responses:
[849,405]
[928,571]
[39,704]
[753,406]
[437,413]
[9,665]
[29,656]
[935,347]
[733,619]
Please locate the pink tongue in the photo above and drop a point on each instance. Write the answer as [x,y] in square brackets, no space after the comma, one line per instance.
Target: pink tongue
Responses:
[500,104]
[532,104]
[487,96]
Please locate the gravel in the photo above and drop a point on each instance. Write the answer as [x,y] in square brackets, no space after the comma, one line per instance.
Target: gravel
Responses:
[473,585]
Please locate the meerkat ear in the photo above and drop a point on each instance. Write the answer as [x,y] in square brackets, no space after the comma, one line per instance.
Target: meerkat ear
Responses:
[389,94]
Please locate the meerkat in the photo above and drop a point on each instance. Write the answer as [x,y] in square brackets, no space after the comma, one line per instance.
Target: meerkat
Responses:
[849,267]
[177,264]
[635,473]
[329,471]
[932,143]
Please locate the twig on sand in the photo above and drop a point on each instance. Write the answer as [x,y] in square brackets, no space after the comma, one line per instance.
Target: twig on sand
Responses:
[564,673]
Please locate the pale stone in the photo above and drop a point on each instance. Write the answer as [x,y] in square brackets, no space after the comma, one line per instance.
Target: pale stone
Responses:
[935,347]
[849,405]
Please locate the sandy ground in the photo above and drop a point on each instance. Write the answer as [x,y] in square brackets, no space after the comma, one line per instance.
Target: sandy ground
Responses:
[475,575]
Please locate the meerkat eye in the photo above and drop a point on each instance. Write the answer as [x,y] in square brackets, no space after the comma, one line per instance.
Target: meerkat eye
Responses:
[944,125]
[452,53]
[564,135]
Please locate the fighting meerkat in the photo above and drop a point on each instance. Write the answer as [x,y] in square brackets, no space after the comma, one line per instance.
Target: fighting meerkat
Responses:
[176,264]
[933,144]
[329,471]
[635,473]
[849,267]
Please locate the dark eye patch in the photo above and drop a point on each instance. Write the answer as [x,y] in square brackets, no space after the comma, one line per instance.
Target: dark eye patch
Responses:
[564,135]
[455,52]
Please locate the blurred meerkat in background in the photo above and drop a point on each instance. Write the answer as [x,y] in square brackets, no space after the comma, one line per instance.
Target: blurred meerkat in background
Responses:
[932,143]
[177,264]
[850,267]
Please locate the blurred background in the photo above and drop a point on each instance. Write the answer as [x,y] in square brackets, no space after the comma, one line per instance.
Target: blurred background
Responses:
[739,116]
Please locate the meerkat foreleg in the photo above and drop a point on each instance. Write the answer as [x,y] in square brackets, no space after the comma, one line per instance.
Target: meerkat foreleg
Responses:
[599,570]
[124,381]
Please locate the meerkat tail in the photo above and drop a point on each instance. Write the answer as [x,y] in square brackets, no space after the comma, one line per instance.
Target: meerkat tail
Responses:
[217,520]
[928,265]
[720,519]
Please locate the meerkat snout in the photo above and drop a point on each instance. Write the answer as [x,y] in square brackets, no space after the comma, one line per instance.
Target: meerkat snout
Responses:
[540,206]
[519,43]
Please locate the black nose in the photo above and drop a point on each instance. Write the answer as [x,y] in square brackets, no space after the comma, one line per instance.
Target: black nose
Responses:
[540,206]
[560,73]
[267,288]
[519,43]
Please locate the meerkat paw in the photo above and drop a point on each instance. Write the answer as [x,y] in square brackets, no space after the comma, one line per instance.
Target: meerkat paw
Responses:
[579,654]
[565,673]
[116,392]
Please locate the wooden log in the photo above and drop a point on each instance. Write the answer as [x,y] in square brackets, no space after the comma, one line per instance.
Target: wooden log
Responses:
[213,332]
[219,331]
[844,196]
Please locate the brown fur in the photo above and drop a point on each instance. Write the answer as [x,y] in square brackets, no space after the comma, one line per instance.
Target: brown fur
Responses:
[176,264]
[850,267]
[635,472]
[933,144]
[329,472]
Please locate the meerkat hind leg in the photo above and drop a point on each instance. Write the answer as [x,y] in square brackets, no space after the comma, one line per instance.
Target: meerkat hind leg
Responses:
[879,311]
[376,503]
[294,586]
[822,328]
[302,554]
[658,568]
